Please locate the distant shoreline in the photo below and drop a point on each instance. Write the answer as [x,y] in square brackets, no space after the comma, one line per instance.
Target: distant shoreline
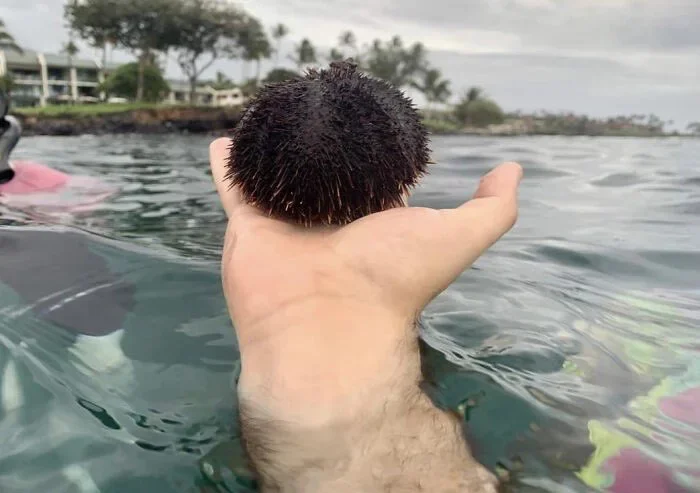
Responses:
[162,120]
[516,130]
[468,133]
[142,119]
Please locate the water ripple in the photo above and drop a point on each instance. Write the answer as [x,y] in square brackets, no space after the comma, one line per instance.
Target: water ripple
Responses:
[576,332]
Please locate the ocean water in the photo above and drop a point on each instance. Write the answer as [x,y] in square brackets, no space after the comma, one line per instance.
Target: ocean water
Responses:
[573,344]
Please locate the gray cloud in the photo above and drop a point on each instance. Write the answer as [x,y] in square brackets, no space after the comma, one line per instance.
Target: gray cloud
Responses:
[596,86]
[604,57]
[581,24]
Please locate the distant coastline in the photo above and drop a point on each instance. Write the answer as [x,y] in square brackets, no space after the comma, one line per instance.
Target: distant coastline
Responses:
[127,119]
[565,124]
[161,119]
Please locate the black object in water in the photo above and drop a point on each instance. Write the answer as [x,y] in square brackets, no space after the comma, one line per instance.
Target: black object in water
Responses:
[64,281]
[328,148]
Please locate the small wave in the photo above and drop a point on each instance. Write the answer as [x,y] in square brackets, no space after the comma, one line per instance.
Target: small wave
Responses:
[618,180]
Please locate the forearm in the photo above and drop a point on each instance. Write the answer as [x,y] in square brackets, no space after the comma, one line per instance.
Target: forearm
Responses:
[392,439]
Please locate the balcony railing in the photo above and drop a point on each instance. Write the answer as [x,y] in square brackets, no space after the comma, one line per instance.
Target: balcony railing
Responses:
[87,76]
[25,76]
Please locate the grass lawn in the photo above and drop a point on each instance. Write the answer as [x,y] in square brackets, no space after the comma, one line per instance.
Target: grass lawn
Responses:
[440,126]
[87,110]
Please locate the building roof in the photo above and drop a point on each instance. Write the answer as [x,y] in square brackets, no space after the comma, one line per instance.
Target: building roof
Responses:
[64,61]
[30,59]
[26,59]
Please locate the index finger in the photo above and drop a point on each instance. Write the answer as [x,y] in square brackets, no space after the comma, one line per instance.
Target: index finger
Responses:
[218,157]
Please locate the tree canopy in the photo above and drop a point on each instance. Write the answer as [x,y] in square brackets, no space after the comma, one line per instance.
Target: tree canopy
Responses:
[207,30]
[254,43]
[124,83]
[434,87]
[304,54]
[198,31]
[280,75]
[476,110]
[395,63]
[279,32]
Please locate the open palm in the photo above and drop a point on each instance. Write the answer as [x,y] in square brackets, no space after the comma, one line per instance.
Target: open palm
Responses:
[281,280]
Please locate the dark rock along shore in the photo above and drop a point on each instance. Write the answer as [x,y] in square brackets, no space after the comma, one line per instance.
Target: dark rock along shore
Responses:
[143,121]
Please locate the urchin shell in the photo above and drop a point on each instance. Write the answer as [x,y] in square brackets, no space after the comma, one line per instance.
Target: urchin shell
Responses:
[328,148]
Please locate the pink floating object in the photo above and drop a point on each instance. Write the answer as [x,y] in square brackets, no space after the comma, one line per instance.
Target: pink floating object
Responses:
[637,473]
[683,407]
[31,177]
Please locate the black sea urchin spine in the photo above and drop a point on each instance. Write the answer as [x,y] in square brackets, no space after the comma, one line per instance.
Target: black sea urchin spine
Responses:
[328,148]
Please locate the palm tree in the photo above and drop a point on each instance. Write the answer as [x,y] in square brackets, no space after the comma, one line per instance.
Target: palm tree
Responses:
[348,40]
[693,128]
[474,93]
[394,63]
[6,39]
[71,50]
[256,45]
[469,97]
[435,89]
[336,55]
[305,54]
[222,81]
[279,32]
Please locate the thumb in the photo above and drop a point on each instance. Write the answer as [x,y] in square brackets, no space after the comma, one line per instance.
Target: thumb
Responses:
[218,160]
[453,239]
[501,182]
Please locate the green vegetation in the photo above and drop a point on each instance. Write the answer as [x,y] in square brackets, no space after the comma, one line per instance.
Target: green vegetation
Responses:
[435,89]
[198,32]
[438,125]
[304,54]
[396,64]
[124,83]
[221,82]
[279,32]
[7,41]
[254,44]
[479,113]
[6,83]
[204,35]
[546,123]
[85,110]
[70,49]
[461,110]
[280,75]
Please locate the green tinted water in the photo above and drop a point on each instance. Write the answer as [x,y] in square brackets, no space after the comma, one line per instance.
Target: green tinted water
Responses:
[564,342]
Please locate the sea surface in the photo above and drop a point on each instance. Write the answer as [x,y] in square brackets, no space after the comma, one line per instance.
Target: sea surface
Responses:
[573,344]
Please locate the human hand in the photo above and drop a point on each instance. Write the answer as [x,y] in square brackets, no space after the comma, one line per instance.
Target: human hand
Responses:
[319,312]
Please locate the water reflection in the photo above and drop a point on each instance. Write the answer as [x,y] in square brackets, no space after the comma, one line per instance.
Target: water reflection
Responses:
[571,346]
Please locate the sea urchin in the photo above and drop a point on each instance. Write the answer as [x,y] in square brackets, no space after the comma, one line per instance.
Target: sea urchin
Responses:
[328,148]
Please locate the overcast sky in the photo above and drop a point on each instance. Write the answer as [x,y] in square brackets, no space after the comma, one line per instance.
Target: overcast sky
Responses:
[600,57]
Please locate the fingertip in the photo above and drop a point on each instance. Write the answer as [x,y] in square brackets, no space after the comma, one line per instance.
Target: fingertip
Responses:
[218,156]
[503,181]
[219,150]
[515,167]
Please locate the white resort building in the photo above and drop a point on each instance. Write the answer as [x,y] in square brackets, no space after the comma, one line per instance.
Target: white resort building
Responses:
[39,79]
[205,96]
